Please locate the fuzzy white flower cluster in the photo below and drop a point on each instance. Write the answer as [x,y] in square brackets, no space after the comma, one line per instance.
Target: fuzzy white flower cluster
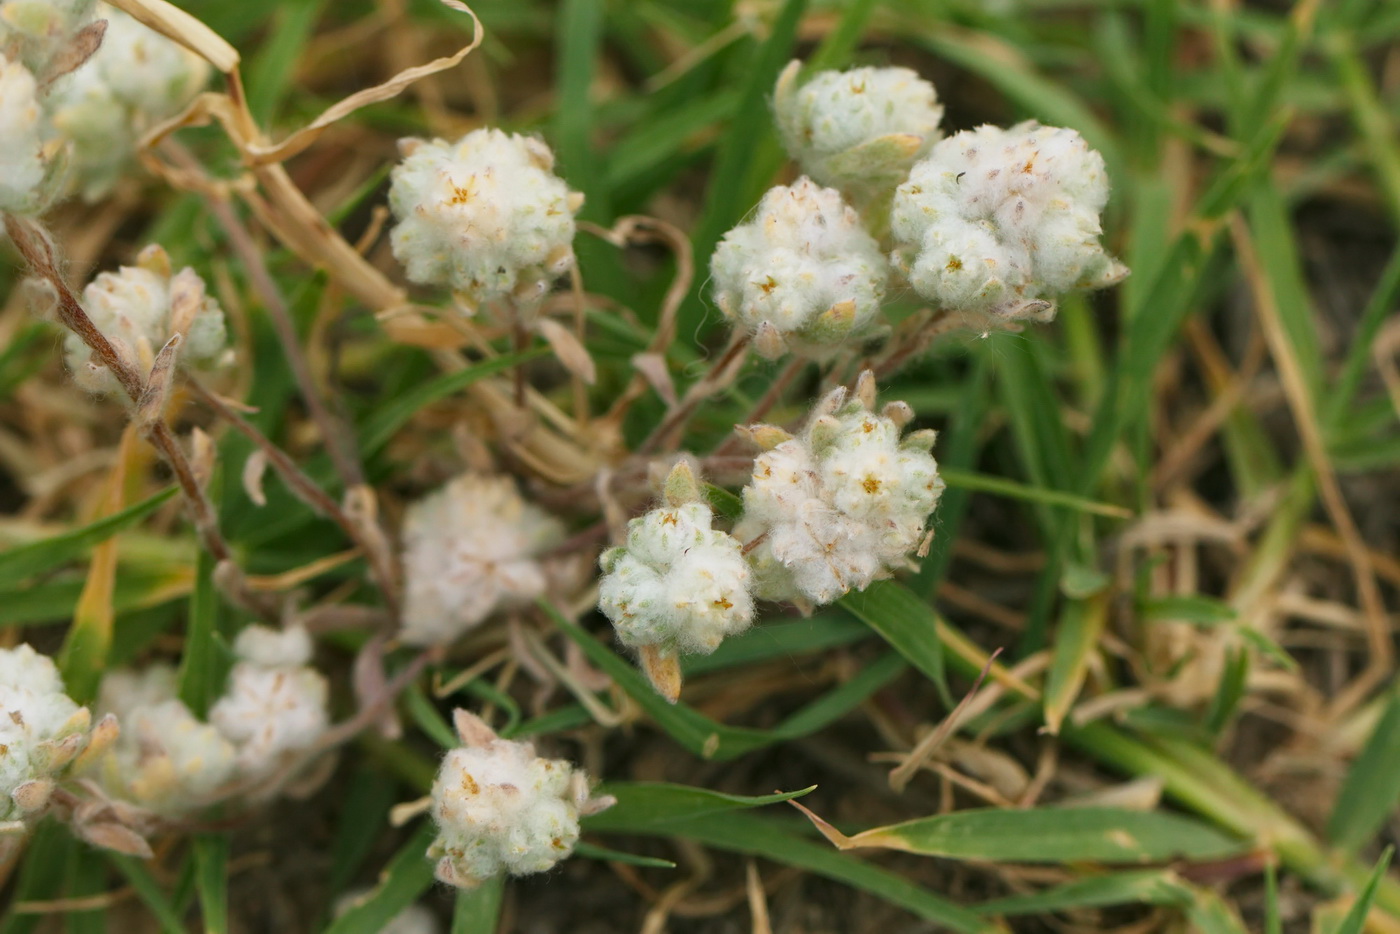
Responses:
[28,143]
[42,732]
[166,760]
[136,79]
[38,32]
[485,216]
[841,505]
[802,273]
[500,808]
[141,307]
[1000,221]
[677,585]
[858,130]
[471,548]
[274,708]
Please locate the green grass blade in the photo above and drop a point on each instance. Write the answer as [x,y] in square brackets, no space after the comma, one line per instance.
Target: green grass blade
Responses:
[1355,920]
[23,562]
[593,851]
[1055,835]
[906,623]
[765,837]
[1081,625]
[1371,791]
[1208,913]
[1139,887]
[479,911]
[646,807]
[150,892]
[408,875]
[1043,496]
[201,675]
[211,880]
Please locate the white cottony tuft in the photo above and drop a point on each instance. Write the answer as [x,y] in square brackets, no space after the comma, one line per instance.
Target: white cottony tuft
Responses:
[139,309]
[165,760]
[858,130]
[677,585]
[41,731]
[39,32]
[274,708]
[1001,221]
[801,273]
[29,149]
[841,505]
[470,549]
[500,808]
[136,79]
[484,216]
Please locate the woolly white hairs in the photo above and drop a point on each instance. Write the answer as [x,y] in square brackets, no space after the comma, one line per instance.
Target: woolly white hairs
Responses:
[470,549]
[27,142]
[677,585]
[138,309]
[485,216]
[801,273]
[1000,221]
[274,707]
[857,130]
[41,731]
[136,79]
[841,505]
[165,759]
[500,808]
[37,32]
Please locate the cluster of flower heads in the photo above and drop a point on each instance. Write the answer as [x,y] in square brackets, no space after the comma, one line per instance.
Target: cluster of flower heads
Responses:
[827,512]
[74,102]
[678,585]
[44,735]
[500,808]
[484,216]
[138,309]
[985,222]
[470,549]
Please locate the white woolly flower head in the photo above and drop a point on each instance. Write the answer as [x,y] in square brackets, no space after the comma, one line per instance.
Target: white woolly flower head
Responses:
[1000,221]
[139,309]
[31,160]
[801,273]
[500,808]
[42,732]
[841,505]
[470,549]
[274,707]
[484,216]
[165,760]
[136,79]
[41,32]
[858,130]
[677,586]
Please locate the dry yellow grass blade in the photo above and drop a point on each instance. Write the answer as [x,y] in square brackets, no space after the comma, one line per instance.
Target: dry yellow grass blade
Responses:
[174,23]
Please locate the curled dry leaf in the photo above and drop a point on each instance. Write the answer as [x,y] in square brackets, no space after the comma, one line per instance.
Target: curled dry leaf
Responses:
[254,469]
[568,349]
[174,23]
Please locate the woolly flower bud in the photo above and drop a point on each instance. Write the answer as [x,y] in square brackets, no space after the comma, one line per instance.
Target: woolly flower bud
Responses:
[275,705]
[843,504]
[500,808]
[859,129]
[136,79]
[678,585]
[1001,221]
[470,549]
[139,309]
[485,216]
[41,731]
[165,760]
[801,272]
[39,31]
[28,146]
